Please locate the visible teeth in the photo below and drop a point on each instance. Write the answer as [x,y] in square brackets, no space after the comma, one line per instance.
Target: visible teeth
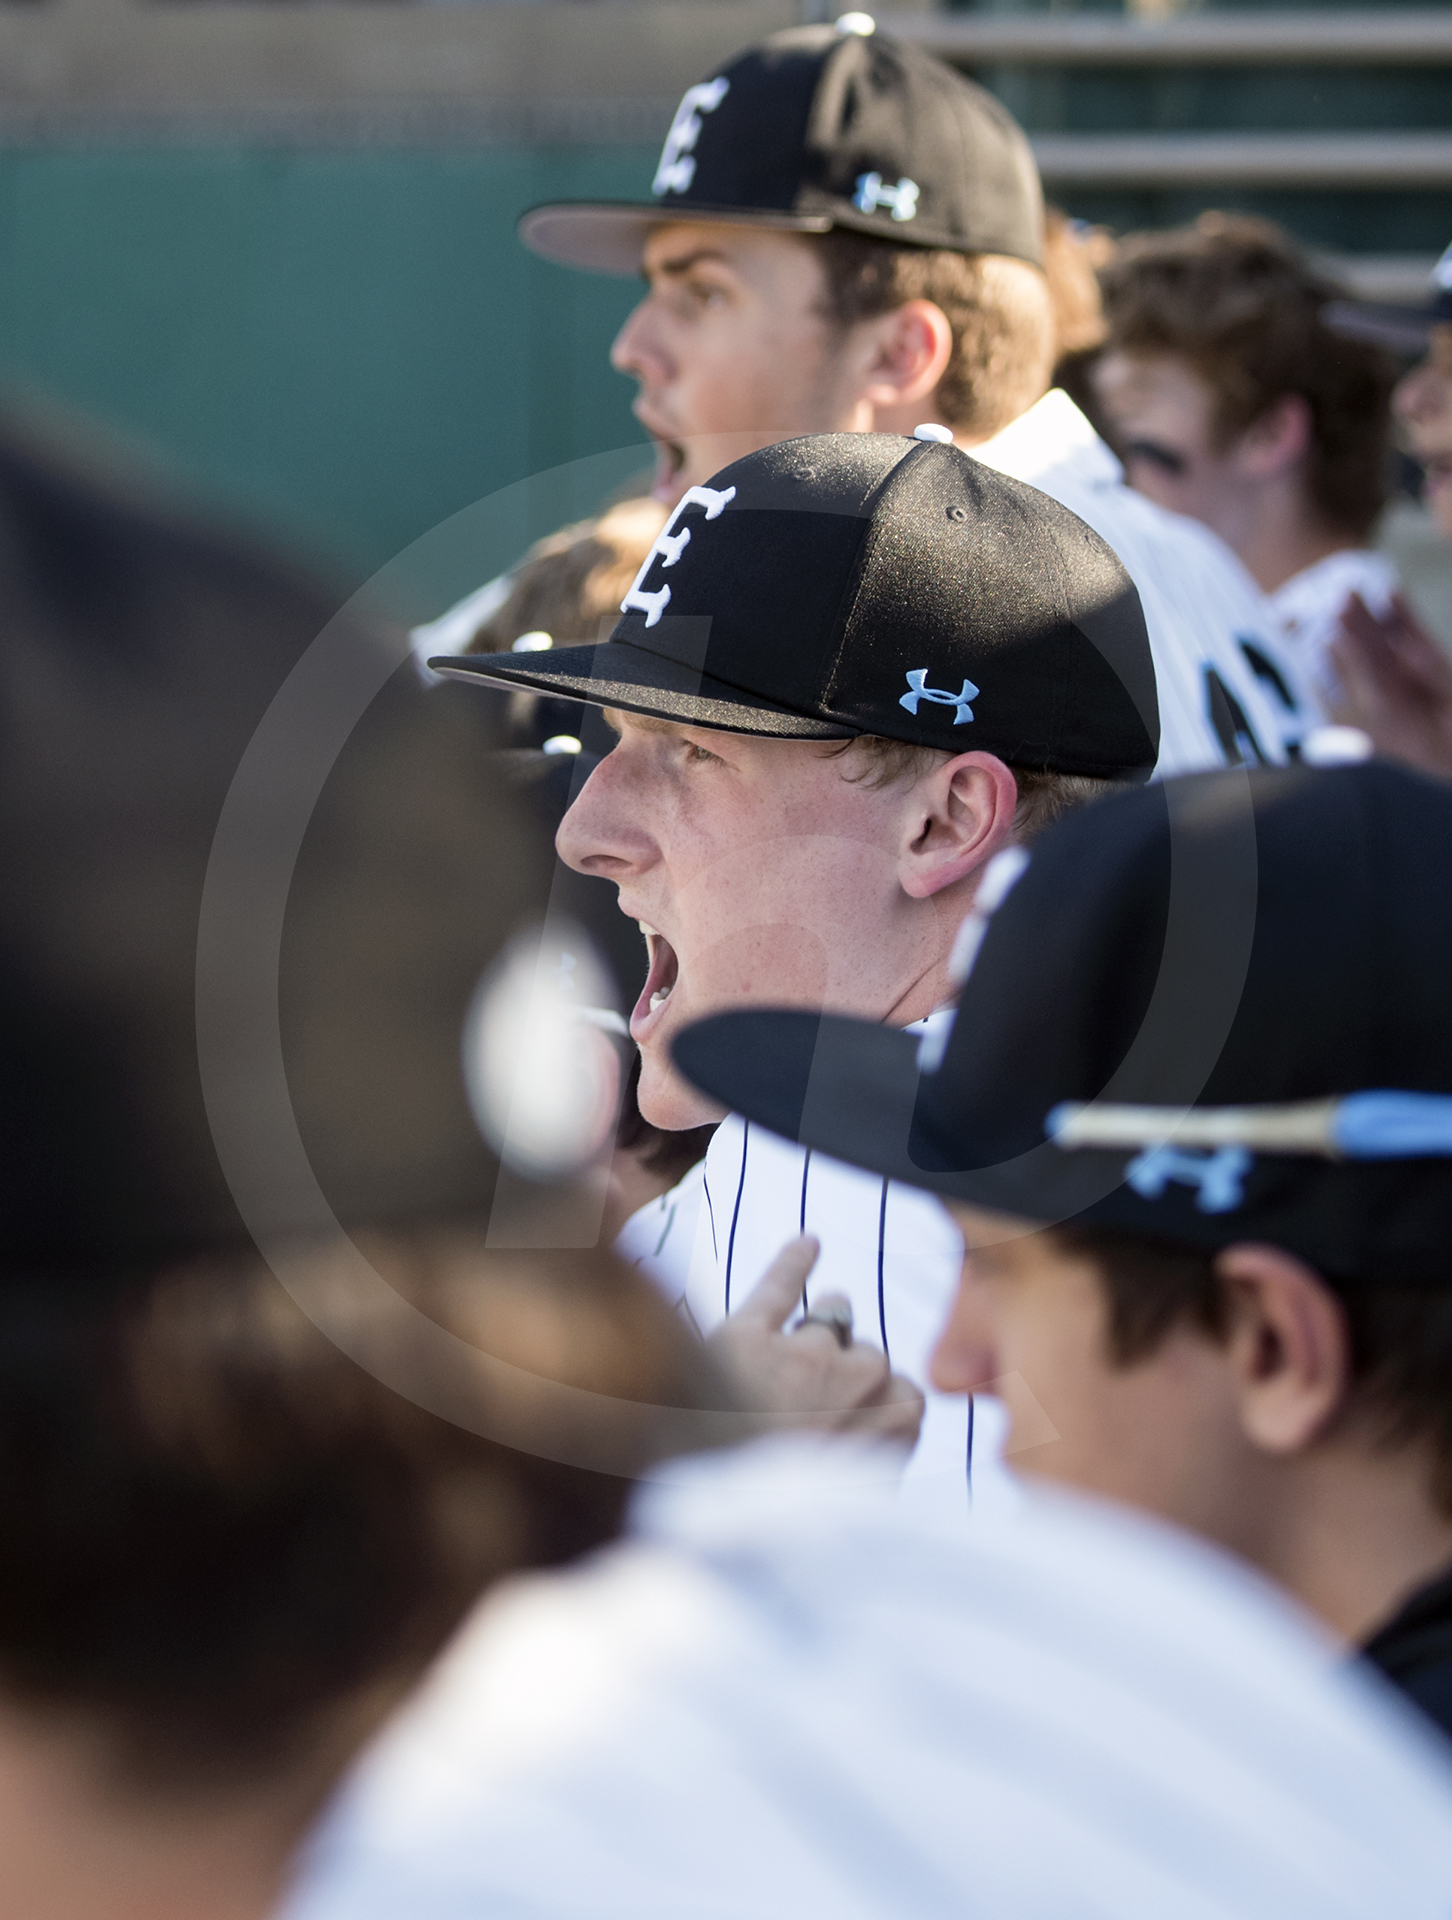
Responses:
[649,932]
[659,998]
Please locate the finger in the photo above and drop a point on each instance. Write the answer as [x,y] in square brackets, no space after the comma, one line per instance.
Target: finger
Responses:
[898,1417]
[832,1379]
[778,1292]
[895,1414]
[827,1311]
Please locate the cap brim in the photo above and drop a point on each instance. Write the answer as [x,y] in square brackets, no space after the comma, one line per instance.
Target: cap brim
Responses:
[615,674]
[850,1088]
[609,236]
[1397,329]
[844,1087]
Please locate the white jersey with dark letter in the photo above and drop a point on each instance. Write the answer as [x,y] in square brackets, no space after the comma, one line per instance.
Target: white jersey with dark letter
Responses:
[1309,606]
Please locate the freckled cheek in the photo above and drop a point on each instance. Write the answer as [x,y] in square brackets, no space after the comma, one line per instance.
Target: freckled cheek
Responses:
[777,965]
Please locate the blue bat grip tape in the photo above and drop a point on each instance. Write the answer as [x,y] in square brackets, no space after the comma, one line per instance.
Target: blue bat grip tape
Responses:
[1393,1126]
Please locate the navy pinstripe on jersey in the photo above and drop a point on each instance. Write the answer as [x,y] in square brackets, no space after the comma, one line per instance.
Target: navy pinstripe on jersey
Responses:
[736,1210]
[890,1249]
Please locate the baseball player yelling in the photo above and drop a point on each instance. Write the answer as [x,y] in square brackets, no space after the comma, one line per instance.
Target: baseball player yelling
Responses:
[853,671]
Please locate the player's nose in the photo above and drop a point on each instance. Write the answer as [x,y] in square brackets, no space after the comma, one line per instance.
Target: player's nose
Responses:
[604,832]
[965,1360]
[638,348]
[1421,393]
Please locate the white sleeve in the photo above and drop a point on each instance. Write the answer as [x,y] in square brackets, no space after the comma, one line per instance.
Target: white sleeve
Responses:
[659,1239]
[452,631]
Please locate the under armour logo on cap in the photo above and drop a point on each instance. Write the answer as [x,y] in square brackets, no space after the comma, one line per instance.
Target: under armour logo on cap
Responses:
[938,696]
[901,200]
[677,167]
[1219,1176]
[668,547]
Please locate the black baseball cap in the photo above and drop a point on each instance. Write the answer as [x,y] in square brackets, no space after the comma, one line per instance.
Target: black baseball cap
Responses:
[823,127]
[1210,1011]
[146,658]
[866,583]
[1400,329]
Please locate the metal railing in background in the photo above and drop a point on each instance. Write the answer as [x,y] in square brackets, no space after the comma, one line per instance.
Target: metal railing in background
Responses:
[569,73]
[1382,38]
[1271,161]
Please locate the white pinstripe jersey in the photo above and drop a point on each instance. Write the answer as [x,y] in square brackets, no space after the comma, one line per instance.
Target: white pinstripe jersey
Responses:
[891,1249]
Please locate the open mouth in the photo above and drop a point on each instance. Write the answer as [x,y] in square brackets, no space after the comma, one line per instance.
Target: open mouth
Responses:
[1436,472]
[670,458]
[659,983]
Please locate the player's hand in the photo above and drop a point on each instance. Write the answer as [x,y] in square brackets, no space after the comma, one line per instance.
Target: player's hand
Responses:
[806,1378]
[1396,684]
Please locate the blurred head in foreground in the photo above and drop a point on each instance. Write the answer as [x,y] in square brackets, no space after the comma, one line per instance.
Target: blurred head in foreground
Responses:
[253,886]
[1195,1117]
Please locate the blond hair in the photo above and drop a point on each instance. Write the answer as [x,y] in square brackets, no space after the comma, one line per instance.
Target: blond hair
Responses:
[1043,796]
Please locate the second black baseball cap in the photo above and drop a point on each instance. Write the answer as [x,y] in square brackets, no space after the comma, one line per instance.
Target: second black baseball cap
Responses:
[1215,1010]
[860,583]
[1404,329]
[824,127]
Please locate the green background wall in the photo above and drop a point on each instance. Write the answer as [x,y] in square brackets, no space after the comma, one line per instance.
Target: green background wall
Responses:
[349,346]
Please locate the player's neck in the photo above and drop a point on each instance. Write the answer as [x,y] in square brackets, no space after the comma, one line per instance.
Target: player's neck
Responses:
[1357,1535]
[1276,534]
[78,1845]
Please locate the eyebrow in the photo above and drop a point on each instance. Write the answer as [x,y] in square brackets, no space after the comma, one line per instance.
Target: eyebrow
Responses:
[673,269]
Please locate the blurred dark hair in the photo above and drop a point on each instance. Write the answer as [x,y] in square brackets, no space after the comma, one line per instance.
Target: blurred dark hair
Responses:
[1400,1338]
[1236,299]
[218,1532]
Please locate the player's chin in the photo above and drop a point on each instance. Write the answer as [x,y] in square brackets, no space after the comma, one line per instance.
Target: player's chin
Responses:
[667,1100]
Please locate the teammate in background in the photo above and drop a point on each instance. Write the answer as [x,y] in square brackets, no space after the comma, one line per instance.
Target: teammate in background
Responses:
[1397,681]
[1199,1136]
[1232,400]
[847,235]
[1074,253]
[852,671]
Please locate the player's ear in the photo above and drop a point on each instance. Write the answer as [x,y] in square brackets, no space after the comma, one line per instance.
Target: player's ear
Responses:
[1278,439]
[954,819]
[906,352]
[1287,1344]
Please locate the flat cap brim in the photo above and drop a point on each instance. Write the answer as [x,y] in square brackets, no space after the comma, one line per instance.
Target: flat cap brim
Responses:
[609,236]
[852,1089]
[1397,329]
[616,674]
